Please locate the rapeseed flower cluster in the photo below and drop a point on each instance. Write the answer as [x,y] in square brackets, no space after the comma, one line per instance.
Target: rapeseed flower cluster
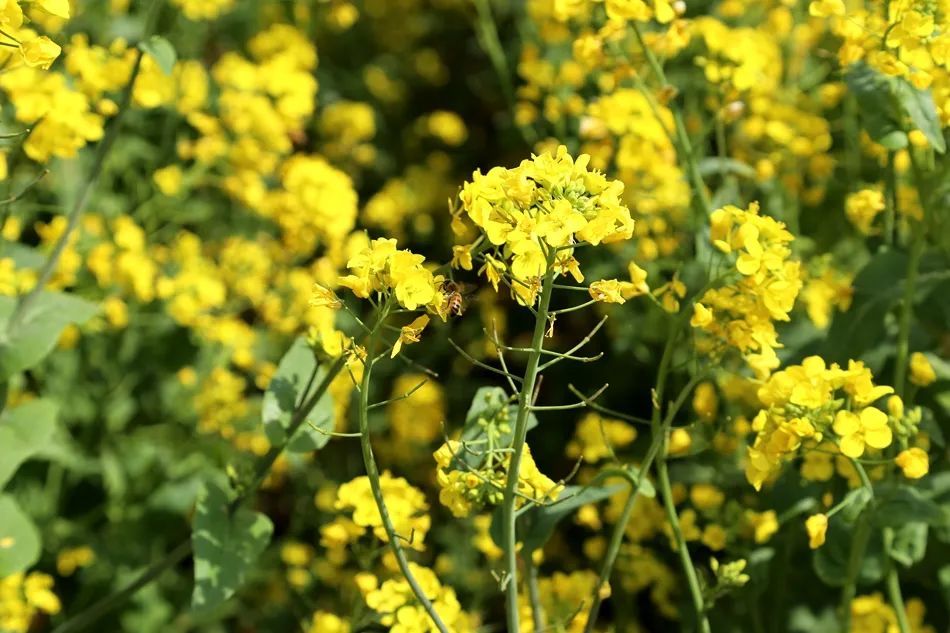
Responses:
[741,315]
[818,406]
[24,595]
[534,215]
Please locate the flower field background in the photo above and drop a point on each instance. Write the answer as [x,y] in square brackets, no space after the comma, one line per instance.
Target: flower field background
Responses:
[466,316]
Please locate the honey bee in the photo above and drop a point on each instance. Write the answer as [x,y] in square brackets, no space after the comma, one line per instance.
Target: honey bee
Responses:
[455,296]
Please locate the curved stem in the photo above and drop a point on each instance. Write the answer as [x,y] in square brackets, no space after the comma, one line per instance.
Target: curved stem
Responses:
[102,151]
[510,540]
[692,579]
[372,473]
[684,147]
[534,594]
[894,584]
[107,604]
[859,544]
[907,312]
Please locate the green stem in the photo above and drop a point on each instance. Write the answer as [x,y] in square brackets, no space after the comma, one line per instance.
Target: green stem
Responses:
[907,306]
[510,540]
[890,200]
[534,594]
[684,147]
[183,549]
[372,473]
[487,33]
[660,431]
[102,151]
[107,604]
[859,543]
[692,578]
[894,584]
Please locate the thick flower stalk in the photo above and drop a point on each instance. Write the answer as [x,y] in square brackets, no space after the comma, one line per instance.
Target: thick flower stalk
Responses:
[533,216]
[395,279]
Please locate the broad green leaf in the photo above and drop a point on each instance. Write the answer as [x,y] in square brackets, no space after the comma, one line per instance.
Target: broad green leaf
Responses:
[24,431]
[286,392]
[162,51]
[877,287]
[919,106]
[874,94]
[910,543]
[830,561]
[226,547]
[19,539]
[26,343]
[854,503]
[896,503]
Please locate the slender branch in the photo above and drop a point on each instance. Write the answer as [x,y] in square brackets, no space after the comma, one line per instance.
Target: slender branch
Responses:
[479,363]
[154,571]
[372,473]
[681,141]
[510,540]
[534,593]
[605,410]
[574,405]
[404,396]
[584,341]
[91,180]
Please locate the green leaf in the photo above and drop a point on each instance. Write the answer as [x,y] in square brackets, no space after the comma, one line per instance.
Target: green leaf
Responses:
[26,343]
[19,539]
[226,547]
[286,392]
[897,502]
[879,115]
[536,524]
[24,431]
[830,561]
[910,543]
[854,503]
[943,576]
[919,106]
[877,287]
[161,51]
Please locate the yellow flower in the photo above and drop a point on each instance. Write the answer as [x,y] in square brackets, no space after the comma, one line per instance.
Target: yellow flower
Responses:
[826,8]
[324,298]
[702,316]
[590,435]
[168,180]
[817,527]
[409,334]
[921,371]
[69,560]
[869,428]
[40,52]
[608,291]
[59,8]
[913,462]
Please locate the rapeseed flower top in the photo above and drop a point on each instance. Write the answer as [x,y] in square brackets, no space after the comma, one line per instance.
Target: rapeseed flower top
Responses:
[815,405]
[382,268]
[547,204]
